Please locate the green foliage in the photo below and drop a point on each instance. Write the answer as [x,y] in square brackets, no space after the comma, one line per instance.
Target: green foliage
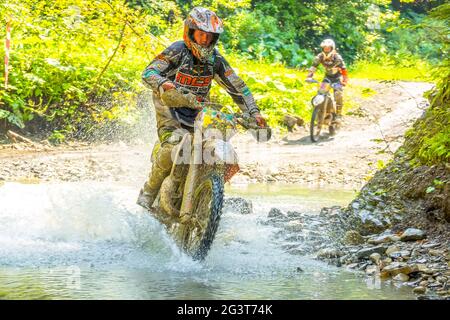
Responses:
[66,55]
[76,64]
[279,90]
[428,142]
[411,69]
[276,89]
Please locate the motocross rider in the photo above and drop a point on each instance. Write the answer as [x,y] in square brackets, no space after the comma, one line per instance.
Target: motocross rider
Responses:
[334,69]
[189,64]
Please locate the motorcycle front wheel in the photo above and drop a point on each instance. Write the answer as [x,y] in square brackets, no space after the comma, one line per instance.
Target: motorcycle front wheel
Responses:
[317,120]
[200,231]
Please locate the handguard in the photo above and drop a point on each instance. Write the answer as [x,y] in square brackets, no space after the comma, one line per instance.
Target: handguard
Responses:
[259,133]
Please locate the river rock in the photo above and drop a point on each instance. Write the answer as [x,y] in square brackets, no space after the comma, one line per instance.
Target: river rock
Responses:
[398,267]
[239,205]
[366,252]
[375,257]
[294,226]
[401,277]
[442,292]
[419,290]
[423,283]
[412,234]
[329,253]
[352,237]
[277,214]
[369,223]
[435,253]
[400,254]
[370,270]
[386,238]
[393,248]
[294,215]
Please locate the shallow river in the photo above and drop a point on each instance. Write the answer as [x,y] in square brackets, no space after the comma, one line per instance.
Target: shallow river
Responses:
[91,241]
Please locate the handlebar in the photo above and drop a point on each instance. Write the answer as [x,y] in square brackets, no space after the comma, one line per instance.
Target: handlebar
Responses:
[311,80]
[180,97]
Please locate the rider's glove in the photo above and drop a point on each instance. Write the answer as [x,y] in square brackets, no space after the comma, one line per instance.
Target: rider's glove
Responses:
[344,76]
[260,120]
[166,86]
[311,72]
[345,81]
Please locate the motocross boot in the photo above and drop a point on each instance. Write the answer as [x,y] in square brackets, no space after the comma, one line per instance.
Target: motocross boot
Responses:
[338,97]
[162,164]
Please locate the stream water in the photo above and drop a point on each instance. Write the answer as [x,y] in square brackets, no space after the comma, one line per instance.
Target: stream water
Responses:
[91,241]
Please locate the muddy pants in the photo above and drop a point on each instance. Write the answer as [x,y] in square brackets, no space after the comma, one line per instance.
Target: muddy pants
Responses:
[338,93]
[170,133]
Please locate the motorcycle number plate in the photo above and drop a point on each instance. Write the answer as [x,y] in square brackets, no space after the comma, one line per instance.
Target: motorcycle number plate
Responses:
[225,152]
[317,100]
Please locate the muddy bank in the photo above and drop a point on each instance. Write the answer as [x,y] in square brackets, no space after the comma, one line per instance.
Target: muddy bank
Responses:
[398,228]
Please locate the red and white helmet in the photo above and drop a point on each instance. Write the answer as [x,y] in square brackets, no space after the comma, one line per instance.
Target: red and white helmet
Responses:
[205,20]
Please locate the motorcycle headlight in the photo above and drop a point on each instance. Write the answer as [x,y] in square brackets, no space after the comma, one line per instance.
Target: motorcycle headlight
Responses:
[317,100]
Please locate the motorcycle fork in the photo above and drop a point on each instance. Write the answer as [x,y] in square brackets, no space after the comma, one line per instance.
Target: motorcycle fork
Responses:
[193,173]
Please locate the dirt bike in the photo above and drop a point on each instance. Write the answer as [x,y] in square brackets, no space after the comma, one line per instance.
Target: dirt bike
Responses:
[190,199]
[324,113]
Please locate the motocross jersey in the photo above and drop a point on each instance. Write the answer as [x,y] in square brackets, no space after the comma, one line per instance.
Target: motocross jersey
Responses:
[178,65]
[332,64]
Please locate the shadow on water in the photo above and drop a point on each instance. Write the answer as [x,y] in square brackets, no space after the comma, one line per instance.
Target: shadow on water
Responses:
[91,241]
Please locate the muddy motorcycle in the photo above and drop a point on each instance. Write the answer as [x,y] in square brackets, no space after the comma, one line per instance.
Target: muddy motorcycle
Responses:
[324,112]
[190,199]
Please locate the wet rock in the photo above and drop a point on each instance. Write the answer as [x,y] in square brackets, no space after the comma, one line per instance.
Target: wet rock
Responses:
[386,238]
[387,261]
[375,257]
[352,237]
[366,252]
[369,223]
[423,283]
[393,248]
[401,277]
[430,245]
[239,205]
[441,279]
[412,234]
[442,292]
[276,213]
[370,270]
[419,290]
[298,252]
[400,254]
[294,214]
[329,253]
[435,253]
[422,267]
[398,267]
[294,226]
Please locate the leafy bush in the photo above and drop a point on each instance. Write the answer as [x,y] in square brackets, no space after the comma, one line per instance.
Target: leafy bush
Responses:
[68,55]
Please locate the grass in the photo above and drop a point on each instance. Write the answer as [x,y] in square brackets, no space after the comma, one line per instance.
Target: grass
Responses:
[415,70]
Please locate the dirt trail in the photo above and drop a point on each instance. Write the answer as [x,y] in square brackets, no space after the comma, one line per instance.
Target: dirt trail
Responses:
[372,133]
[342,161]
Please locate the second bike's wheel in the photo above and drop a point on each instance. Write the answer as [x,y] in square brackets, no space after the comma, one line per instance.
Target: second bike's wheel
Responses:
[316,123]
[207,209]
